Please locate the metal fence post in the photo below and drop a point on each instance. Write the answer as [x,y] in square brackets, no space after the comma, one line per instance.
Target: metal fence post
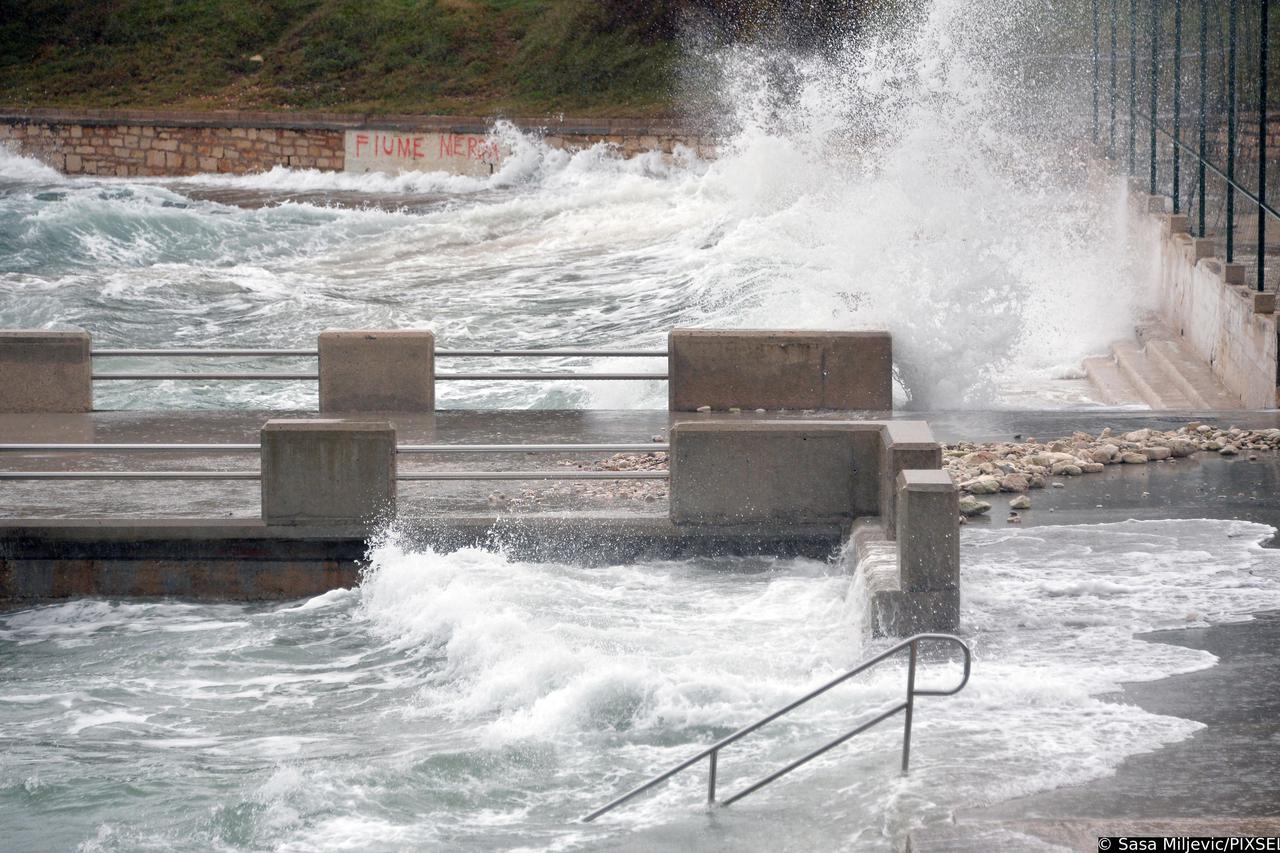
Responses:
[1204,86]
[1231,130]
[1262,145]
[1095,71]
[1155,85]
[909,708]
[1177,105]
[1133,87]
[1111,126]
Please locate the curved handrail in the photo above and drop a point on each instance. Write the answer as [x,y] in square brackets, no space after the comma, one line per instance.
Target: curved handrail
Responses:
[712,752]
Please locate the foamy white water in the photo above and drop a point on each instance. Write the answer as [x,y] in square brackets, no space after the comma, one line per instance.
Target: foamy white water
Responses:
[908,183]
[469,700]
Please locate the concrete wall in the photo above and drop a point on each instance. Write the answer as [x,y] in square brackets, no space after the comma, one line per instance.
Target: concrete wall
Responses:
[328,472]
[377,371]
[42,371]
[128,143]
[1207,302]
[753,369]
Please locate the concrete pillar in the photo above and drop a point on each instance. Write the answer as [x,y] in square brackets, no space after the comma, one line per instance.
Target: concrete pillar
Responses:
[903,445]
[377,371]
[45,372]
[736,472]
[328,472]
[797,370]
[928,531]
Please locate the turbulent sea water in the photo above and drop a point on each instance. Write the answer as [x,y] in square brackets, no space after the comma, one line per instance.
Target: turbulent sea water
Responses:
[471,701]
[467,701]
[899,184]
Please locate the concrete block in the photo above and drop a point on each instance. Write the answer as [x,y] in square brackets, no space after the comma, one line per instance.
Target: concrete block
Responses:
[1264,303]
[44,371]
[903,445]
[1233,273]
[1157,204]
[736,472]
[1176,223]
[904,614]
[928,531]
[1202,247]
[377,371]
[774,370]
[328,471]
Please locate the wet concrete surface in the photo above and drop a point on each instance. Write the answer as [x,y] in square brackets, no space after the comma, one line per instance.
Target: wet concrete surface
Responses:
[1224,780]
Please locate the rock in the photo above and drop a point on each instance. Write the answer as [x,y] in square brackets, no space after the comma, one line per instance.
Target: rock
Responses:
[734,410]
[1067,469]
[1253,457]
[1105,453]
[1015,483]
[1092,467]
[1013,518]
[1191,426]
[1020,502]
[1132,458]
[1059,486]
[657,439]
[704,408]
[1204,428]
[982,486]
[1106,433]
[759,411]
[1138,435]
[1213,444]
[1156,453]
[1035,482]
[1181,447]
[970,506]
[1228,450]
[978,457]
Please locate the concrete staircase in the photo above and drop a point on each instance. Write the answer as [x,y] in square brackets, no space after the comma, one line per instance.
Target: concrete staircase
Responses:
[1157,371]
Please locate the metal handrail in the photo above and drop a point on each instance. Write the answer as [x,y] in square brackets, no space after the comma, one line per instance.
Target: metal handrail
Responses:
[1208,164]
[312,377]
[711,753]
[408,476]
[440,353]
[653,447]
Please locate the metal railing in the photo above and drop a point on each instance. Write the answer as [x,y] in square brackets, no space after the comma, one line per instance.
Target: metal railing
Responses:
[532,376]
[407,476]
[712,752]
[1163,21]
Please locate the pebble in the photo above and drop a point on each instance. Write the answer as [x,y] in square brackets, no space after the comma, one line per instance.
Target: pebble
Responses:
[1228,450]
[704,408]
[1020,502]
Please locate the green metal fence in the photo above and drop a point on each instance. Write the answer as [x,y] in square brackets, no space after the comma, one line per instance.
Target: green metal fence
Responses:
[1217,52]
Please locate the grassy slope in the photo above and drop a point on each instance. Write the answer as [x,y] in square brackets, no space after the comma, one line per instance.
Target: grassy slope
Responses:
[418,56]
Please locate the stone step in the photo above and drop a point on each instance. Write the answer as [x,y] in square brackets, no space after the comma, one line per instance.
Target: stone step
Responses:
[1154,385]
[1192,376]
[1111,383]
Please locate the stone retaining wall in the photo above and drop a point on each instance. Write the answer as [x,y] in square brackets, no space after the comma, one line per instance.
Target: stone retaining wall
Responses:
[127,143]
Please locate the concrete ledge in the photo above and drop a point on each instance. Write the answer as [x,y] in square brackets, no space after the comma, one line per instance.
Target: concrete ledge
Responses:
[377,371]
[221,559]
[45,372]
[328,471]
[752,369]
[904,445]
[928,532]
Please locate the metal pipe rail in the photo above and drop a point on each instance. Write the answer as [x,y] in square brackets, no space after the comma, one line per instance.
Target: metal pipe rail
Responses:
[314,377]
[441,353]
[711,753]
[654,447]
[408,476]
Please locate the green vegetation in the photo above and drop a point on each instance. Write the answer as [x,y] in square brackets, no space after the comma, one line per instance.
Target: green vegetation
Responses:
[618,57]
[420,56]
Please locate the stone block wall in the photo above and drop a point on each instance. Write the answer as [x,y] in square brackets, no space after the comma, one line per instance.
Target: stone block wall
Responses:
[128,150]
[129,143]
